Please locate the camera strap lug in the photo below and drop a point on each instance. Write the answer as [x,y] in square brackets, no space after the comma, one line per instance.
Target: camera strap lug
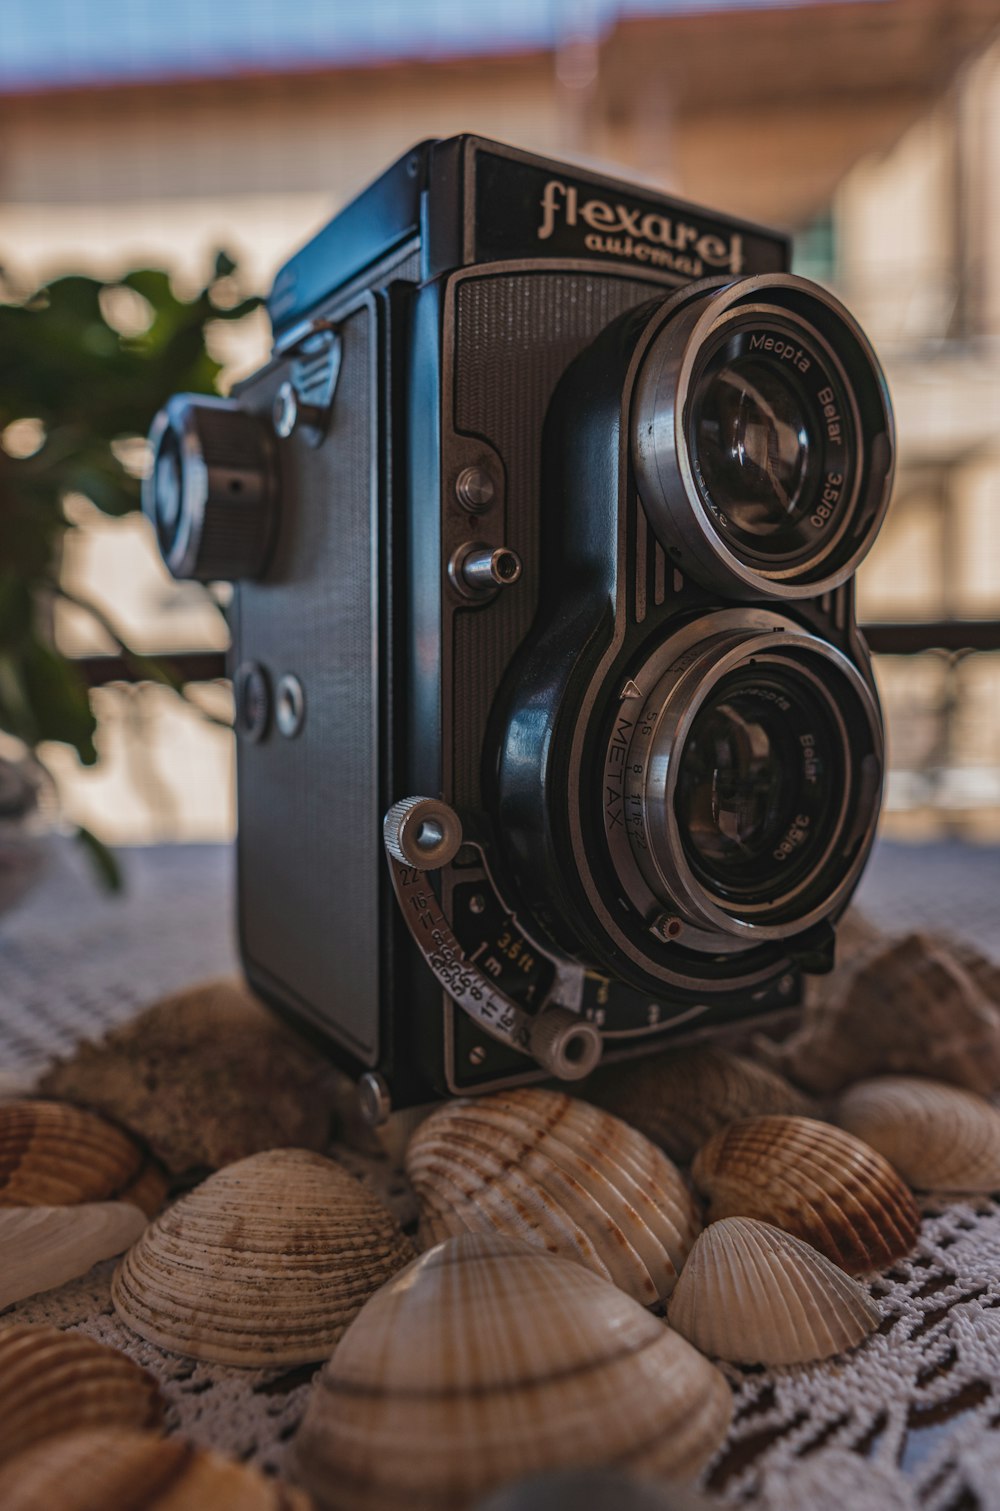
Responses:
[305,400]
[423,835]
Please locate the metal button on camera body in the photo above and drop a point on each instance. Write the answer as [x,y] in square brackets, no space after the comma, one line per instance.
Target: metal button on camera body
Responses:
[289,706]
[474,489]
[252,693]
[477,569]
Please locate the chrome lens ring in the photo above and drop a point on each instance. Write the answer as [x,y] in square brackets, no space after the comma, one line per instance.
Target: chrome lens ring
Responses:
[657,867]
[798,343]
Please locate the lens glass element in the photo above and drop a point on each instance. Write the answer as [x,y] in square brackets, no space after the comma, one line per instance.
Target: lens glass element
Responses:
[754,444]
[771,441]
[757,788]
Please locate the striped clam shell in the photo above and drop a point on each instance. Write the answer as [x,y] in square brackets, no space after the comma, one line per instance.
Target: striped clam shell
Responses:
[753,1294]
[266,1262]
[939,1137]
[52,1382]
[813,1180]
[560,1174]
[114,1470]
[53,1154]
[680,1097]
[486,1360]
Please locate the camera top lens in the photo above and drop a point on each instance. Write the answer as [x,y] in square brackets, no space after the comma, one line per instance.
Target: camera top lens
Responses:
[762,438]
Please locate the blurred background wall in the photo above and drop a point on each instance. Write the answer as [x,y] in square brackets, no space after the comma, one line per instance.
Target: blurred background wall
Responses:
[132,134]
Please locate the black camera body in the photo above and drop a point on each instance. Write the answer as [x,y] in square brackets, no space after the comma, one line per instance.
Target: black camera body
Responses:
[546,511]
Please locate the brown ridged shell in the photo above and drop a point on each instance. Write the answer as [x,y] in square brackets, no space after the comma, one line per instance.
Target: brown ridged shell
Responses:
[113,1470]
[754,1294]
[679,1098]
[53,1382]
[266,1262]
[939,1137]
[205,1077]
[813,1180]
[560,1174]
[486,1360]
[911,1008]
[55,1155]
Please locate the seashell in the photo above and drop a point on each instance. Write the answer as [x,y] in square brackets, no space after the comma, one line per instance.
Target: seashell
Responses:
[486,1360]
[813,1180]
[594,1490]
[205,1077]
[559,1174]
[54,1155]
[938,1137]
[680,1097]
[42,1247]
[266,1262]
[753,1294]
[910,1008]
[53,1382]
[104,1469]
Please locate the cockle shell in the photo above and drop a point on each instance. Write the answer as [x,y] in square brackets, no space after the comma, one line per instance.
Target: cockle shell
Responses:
[910,1008]
[42,1247]
[266,1262]
[560,1174]
[939,1137]
[54,1155]
[753,1294]
[53,1382]
[486,1360]
[680,1097]
[813,1180]
[205,1077]
[114,1470]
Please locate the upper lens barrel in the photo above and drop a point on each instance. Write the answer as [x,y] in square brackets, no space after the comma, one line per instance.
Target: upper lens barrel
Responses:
[762,438]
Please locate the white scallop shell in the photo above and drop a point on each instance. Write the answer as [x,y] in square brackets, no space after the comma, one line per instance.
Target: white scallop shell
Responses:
[42,1247]
[266,1262]
[486,1360]
[560,1174]
[753,1294]
[939,1137]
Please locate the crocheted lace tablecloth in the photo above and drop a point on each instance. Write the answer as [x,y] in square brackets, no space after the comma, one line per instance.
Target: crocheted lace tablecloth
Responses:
[908,1419]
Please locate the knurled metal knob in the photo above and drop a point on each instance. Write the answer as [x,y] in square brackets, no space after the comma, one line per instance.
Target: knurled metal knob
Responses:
[211,493]
[422,832]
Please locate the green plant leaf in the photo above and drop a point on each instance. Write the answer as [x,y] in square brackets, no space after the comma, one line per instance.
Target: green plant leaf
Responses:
[103,860]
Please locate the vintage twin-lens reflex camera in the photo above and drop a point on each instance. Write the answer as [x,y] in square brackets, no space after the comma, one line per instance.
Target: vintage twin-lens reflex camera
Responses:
[543,519]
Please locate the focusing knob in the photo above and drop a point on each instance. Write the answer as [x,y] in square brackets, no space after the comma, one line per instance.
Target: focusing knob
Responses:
[211,493]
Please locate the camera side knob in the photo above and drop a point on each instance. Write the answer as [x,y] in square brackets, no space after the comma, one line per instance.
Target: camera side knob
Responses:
[565,1044]
[422,832]
[211,492]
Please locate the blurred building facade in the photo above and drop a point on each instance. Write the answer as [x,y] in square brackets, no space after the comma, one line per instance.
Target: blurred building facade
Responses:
[870,127]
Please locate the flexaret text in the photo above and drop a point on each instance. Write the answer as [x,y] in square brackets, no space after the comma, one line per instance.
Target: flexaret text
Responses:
[646,236]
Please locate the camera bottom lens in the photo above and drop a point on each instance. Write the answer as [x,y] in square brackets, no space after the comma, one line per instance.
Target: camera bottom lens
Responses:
[741,793]
[757,784]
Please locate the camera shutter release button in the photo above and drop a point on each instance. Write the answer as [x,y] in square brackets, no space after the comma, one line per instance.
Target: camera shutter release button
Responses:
[474,489]
[565,1044]
[478,569]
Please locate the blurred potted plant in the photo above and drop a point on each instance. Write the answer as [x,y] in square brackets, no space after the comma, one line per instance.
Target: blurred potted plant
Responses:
[86,364]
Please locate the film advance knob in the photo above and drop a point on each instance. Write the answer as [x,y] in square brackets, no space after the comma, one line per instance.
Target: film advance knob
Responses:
[211,493]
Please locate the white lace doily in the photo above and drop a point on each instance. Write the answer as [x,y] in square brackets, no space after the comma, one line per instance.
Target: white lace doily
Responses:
[907,1420]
